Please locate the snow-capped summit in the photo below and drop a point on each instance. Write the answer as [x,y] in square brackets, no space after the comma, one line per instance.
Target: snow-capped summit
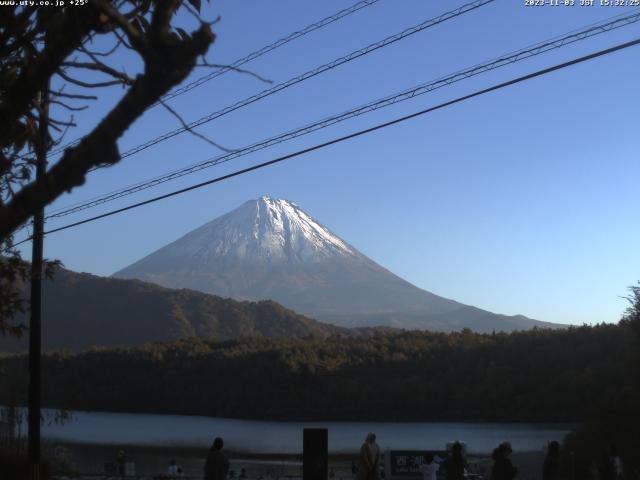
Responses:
[271,249]
[263,231]
[274,230]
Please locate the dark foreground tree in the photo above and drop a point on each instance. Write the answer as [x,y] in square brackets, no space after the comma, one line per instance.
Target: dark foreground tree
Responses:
[631,316]
[73,48]
[616,424]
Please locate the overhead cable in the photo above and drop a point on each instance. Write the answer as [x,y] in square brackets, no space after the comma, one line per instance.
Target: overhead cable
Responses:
[359,133]
[252,56]
[507,59]
[258,53]
[310,74]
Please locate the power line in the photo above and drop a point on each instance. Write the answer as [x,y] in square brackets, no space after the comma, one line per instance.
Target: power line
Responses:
[252,56]
[359,133]
[310,74]
[258,53]
[507,59]
[14,245]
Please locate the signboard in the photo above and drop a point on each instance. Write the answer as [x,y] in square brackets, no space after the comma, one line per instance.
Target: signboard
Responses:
[404,464]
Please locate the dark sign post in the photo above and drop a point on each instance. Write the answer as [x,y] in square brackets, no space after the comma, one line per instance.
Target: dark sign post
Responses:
[315,454]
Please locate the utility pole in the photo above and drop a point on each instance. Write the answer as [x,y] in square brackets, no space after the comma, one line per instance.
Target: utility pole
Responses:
[35,335]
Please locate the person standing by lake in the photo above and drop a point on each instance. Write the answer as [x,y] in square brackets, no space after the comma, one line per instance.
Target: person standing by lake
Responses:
[617,463]
[611,468]
[455,464]
[551,466]
[216,466]
[121,460]
[369,460]
[502,467]
[172,470]
[429,468]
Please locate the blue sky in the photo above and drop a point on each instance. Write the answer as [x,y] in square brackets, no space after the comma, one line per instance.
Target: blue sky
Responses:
[522,201]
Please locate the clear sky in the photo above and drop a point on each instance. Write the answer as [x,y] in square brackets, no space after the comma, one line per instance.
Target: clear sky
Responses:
[522,201]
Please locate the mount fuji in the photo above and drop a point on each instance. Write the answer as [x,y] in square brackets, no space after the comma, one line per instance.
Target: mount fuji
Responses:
[271,249]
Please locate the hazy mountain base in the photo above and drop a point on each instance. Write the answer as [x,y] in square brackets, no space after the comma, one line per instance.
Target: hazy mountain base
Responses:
[81,311]
[481,321]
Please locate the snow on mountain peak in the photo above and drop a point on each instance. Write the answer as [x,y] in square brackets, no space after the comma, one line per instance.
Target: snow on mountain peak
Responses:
[264,230]
[291,223]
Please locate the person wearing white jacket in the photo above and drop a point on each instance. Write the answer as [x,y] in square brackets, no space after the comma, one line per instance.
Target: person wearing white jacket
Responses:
[429,468]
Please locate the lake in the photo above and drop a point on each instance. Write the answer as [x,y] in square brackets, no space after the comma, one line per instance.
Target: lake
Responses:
[285,437]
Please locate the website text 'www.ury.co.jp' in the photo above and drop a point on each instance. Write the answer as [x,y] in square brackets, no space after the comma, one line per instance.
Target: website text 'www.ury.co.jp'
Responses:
[42,3]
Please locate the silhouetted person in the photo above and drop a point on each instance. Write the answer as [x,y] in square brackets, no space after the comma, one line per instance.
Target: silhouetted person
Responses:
[217,465]
[243,473]
[369,459]
[354,469]
[551,466]
[617,463]
[502,467]
[454,465]
[611,467]
[429,468]
[121,460]
[172,470]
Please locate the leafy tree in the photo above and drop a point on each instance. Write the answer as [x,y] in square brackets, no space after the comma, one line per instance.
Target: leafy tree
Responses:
[58,46]
[631,316]
[618,419]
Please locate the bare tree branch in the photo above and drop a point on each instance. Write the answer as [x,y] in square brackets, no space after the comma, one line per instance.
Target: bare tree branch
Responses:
[68,107]
[191,130]
[101,67]
[53,121]
[60,93]
[168,61]
[65,33]
[135,37]
[80,83]
[235,69]
[103,54]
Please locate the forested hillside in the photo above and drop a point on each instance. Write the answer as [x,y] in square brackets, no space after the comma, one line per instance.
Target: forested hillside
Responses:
[540,375]
[82,310]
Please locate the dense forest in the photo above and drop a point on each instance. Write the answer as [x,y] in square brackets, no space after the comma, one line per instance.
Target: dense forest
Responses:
[540,375]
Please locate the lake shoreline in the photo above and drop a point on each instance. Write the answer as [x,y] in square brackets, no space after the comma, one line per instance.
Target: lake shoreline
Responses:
[339,418]
[285,438]
[91,459]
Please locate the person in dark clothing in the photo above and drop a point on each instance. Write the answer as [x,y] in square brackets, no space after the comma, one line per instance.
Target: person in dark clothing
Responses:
[551,466]
[502,467]
[369,460]
[121,461]
[217,465]
[455,464]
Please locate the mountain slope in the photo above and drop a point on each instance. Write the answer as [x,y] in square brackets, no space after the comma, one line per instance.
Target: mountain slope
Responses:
[82,310]
[271,249]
